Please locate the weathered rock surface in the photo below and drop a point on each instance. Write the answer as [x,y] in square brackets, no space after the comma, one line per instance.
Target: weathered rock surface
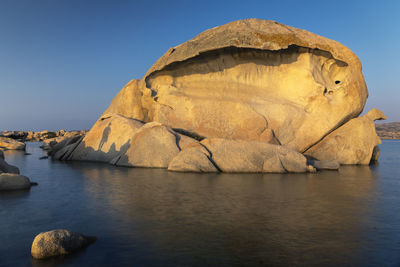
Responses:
[12,181]
[11,144]
[125,142]
[109,137]
[352,143]
[253,80]
[154,145]
[58,242]
[238,156]
[195,158]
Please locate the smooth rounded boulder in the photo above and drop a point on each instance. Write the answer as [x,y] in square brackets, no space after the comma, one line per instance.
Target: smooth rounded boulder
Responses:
[12,181]
[58,242]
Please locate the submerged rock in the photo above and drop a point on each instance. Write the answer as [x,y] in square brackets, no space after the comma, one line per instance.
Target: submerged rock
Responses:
[58,242]
[11,181]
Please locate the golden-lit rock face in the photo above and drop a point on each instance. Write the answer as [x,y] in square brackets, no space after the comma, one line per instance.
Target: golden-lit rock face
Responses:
[253,80]
[353,143]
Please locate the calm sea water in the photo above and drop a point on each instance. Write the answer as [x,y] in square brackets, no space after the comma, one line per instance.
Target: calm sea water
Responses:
[151,217]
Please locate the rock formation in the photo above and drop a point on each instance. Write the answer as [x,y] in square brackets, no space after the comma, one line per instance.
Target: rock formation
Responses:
[57,243]
[255,93]
[353,143]
[13,181]
[11,144]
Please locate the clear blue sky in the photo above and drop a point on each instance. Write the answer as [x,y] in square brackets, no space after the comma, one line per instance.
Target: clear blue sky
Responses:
[62,62]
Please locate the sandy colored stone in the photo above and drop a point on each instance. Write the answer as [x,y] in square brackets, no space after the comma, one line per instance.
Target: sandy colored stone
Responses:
[352,143]
[154,145]
[253,80]
[109,137]
[57,243]
[192,159]
[12,181]
[11,144]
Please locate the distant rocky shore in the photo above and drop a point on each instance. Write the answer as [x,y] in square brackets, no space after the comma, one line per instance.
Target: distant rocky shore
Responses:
[26,136]
[390,130]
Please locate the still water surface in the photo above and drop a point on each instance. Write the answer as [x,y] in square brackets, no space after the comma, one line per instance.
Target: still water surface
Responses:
[151,217]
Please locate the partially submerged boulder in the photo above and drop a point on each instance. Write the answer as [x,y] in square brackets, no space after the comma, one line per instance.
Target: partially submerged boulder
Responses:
[12,181]
[58,242]
[352,143]
[11,144]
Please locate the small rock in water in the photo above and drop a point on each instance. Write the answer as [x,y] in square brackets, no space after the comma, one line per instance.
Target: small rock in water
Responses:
[44,157]
[11,181]
[58,242]
[26,153]
[326,165]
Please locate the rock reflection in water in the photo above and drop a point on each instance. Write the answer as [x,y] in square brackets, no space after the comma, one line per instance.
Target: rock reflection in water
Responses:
[236,218]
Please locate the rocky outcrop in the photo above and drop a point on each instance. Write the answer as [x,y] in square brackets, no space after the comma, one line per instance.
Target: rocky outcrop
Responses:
[11,144]
[248,96]
[124,142]
[39,136]
[12,181]
[352,143]
[58,242]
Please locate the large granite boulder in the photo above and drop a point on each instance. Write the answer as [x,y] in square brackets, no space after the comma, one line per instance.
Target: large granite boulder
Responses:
[352,143]
[58,242]
[11,144]
[253,80]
